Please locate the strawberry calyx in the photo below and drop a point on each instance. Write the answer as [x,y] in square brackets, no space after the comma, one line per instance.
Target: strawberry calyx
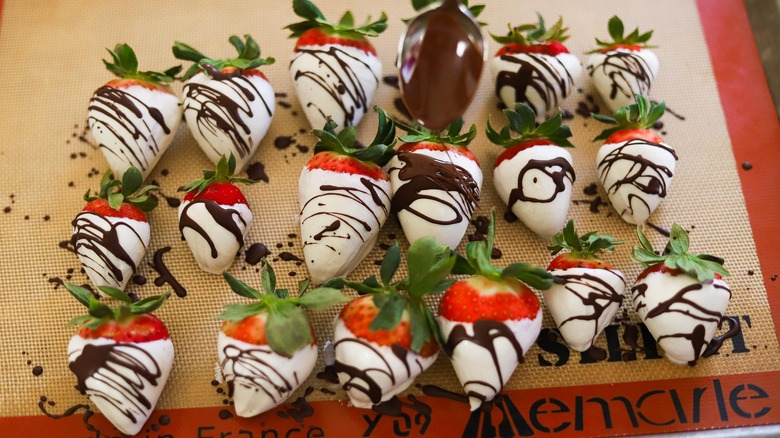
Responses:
[402,301]
[522,121]
[450,135]
[345,29]
[287,328]
[583,250]
[477,262]
[125,66]
[322,37]
[637,116]
[118,193]
[634,41]
[675,256]
[220,182]
[531,35]
[129,322]
[551,48]
[248,58]
[378,152]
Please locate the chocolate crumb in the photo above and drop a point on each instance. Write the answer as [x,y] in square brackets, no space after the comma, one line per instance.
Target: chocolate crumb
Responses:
[164,172]
[284,104]
[37,371]
[256,172]
[7,210]
[750,272]
[47,217]
[591,189]
[773,277]
[283,142]
[746,165]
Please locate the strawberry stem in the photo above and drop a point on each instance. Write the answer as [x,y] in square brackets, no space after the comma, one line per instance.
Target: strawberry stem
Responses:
[641,115]
[703,267]
[522,120]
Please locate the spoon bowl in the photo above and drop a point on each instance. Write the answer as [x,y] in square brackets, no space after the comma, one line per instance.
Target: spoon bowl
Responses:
[440,59]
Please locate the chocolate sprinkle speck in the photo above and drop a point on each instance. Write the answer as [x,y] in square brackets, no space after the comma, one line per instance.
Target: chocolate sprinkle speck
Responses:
[7,210]
[284,104]
[214,383]
[224,414]
[47,217]
[37,371]
[591,189]
[164,172]
[283,142]
[256,172]
[256,252]
[750,272]
[164,420]
[746,165]
[139,280]
[774,277]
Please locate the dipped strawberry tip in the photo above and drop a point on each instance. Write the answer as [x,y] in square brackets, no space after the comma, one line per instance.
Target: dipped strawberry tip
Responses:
[248,57]
[346,28]
[224,173]
[522,121]
[128,190]
[676,257]
[99,313]
[378,152]
[428,265]
[125,65]
[638,116]
[587,246]
[477,262]
[288,328]
[534,34]
[633,41]
[449,135]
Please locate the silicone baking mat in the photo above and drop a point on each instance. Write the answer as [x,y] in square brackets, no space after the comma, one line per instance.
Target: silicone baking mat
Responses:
[52,53]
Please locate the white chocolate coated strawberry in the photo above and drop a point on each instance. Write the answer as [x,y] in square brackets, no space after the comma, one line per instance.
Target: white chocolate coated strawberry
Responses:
[124,380]
[336,81]
[214,232]
[260,378]
[620,74]
[536,184]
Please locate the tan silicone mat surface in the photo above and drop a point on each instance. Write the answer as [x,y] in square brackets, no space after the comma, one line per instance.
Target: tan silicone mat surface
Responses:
[51,53]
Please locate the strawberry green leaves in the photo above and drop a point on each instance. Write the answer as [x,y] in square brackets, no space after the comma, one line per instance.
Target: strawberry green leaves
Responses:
[478,260]
[617,32]
[287,328]
[641,115]
[125,65]
[429,263]
[449,135]
[248,57]
[225,169]
[128,190]
[522,120]
[379,151]
[703,267]
[586,246]
[98,312]
[534,33]
[314,19]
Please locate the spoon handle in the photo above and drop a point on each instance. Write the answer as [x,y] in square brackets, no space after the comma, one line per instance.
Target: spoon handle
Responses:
[451,4]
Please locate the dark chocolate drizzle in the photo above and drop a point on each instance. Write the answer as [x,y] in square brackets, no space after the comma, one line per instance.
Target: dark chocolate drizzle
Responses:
[349,225]
[545,75]
[119,114]
[420,173]
[679,303]
[485,334]
[596,294]
[165,275]
[220,116]
[644,174]
[623,67]
[300,409]
[361,380]
[343,85]
[249,368]
[557,169]
[96,239]
[117,367]
[222,215]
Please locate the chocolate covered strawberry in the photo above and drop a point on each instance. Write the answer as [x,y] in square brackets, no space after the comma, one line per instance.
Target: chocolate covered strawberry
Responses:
[268,348]
[587,292]
[534,67]
[388,336]
[111,234]
[622,67]
[215,217]
[334,67]
[121,356]
[344,198]
[681,298]
[635,166]
[436,181]
[134,117]
[228,103]
[490,320]
[534,175]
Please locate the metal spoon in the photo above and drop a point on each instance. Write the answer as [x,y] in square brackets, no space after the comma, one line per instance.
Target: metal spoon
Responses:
[440,60]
